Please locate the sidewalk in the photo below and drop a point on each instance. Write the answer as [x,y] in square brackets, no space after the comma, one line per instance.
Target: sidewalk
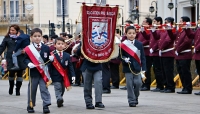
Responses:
[115,103]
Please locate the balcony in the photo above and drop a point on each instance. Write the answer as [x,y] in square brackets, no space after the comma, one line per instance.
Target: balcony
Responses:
[16,19]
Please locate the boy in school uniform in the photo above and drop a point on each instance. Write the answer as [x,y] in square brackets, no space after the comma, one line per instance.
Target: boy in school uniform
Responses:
[134,65]
[59,70]
[37,56]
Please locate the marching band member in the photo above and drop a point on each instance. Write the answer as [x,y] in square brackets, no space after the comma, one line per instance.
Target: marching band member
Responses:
[58,72]
[91,71]
[166,53]
[37,53]
[196,50]
[153,46]
[144,37]
[183,57]
[133,61]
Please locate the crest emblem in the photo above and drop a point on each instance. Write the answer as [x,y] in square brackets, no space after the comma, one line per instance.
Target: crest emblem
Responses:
[66,63]
[45,54]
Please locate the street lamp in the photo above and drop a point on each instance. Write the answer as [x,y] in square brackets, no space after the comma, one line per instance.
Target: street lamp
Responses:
[171,5]
[193,2]
[135,14]
[152,9]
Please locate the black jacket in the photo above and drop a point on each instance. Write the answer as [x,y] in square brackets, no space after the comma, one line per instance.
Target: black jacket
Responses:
[87,64]
[65,63]
[9,44]
[44,53]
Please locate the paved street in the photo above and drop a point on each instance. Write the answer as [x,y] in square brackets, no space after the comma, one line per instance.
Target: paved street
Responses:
[116,102]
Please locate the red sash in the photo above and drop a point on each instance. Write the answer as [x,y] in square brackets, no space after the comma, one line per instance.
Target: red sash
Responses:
[131,52]
[36,62]
[62,71]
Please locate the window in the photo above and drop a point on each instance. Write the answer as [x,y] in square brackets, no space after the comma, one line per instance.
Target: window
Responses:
[14,8]
[103,2]
[131,5]
[4,8]
[60,8]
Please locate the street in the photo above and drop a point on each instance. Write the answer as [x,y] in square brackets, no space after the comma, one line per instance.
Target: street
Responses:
[115,103]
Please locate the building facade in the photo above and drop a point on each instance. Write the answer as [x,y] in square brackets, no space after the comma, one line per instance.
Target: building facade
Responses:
[183,7]
[38,13]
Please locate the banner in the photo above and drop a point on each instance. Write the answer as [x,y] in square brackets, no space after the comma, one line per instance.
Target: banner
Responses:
[99,24]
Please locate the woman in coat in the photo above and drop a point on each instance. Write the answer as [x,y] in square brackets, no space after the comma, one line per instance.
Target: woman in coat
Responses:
[9,43]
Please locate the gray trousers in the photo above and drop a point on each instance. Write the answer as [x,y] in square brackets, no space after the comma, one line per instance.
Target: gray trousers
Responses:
[88,76]
[14,57]
[59,90]
[133,84]
[45,95]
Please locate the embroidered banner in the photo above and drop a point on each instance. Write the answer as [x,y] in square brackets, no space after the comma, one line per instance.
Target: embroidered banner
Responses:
[99,24]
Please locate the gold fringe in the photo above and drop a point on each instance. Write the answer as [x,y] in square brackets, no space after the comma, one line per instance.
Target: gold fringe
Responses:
[68,88]
[49,83]
[31,104]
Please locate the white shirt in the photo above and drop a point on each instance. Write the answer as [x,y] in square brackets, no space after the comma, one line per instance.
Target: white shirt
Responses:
[58,52]
[36,45]
[132,41]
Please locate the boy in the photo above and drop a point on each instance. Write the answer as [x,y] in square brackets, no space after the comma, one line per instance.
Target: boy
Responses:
[22,41]
[133,62]
[37,56]
[58,69]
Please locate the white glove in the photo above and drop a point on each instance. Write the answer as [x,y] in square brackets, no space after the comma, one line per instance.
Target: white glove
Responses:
[73,79]
[169,26]
[194,50]
[153,29]
[127,60]
[51,58]
[188,24]
[41,66]
[176,53]
[142,29]
[31,65]
[160,53]
[151,50]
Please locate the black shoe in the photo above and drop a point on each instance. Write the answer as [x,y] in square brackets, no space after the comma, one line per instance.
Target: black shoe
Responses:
[136,102]
[185,92]
[132,105]
[168,91]
[197,93]
[90,106]
[99,105]
[15,68]
[81,85]
[30,110]
[46,109]
[123,88]
[156,90]
[60,103]
[75,84]
[105,91]
[114,87]
[144,89]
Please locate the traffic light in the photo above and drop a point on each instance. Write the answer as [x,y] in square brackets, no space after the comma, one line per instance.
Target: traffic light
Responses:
[68,27]
[52,26]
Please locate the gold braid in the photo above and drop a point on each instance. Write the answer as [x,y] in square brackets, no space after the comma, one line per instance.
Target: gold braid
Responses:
[129,64]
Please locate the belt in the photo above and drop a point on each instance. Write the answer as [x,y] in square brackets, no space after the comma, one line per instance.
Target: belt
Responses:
[147,46]
[167,50]
[187,50]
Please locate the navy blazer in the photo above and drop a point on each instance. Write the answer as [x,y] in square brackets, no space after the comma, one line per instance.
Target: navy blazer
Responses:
[65,63]
[23,40]
[87,64]
[34,71]
[135,66]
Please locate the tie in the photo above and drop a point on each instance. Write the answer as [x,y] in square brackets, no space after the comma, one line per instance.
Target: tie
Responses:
[60,55]
[38,47]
